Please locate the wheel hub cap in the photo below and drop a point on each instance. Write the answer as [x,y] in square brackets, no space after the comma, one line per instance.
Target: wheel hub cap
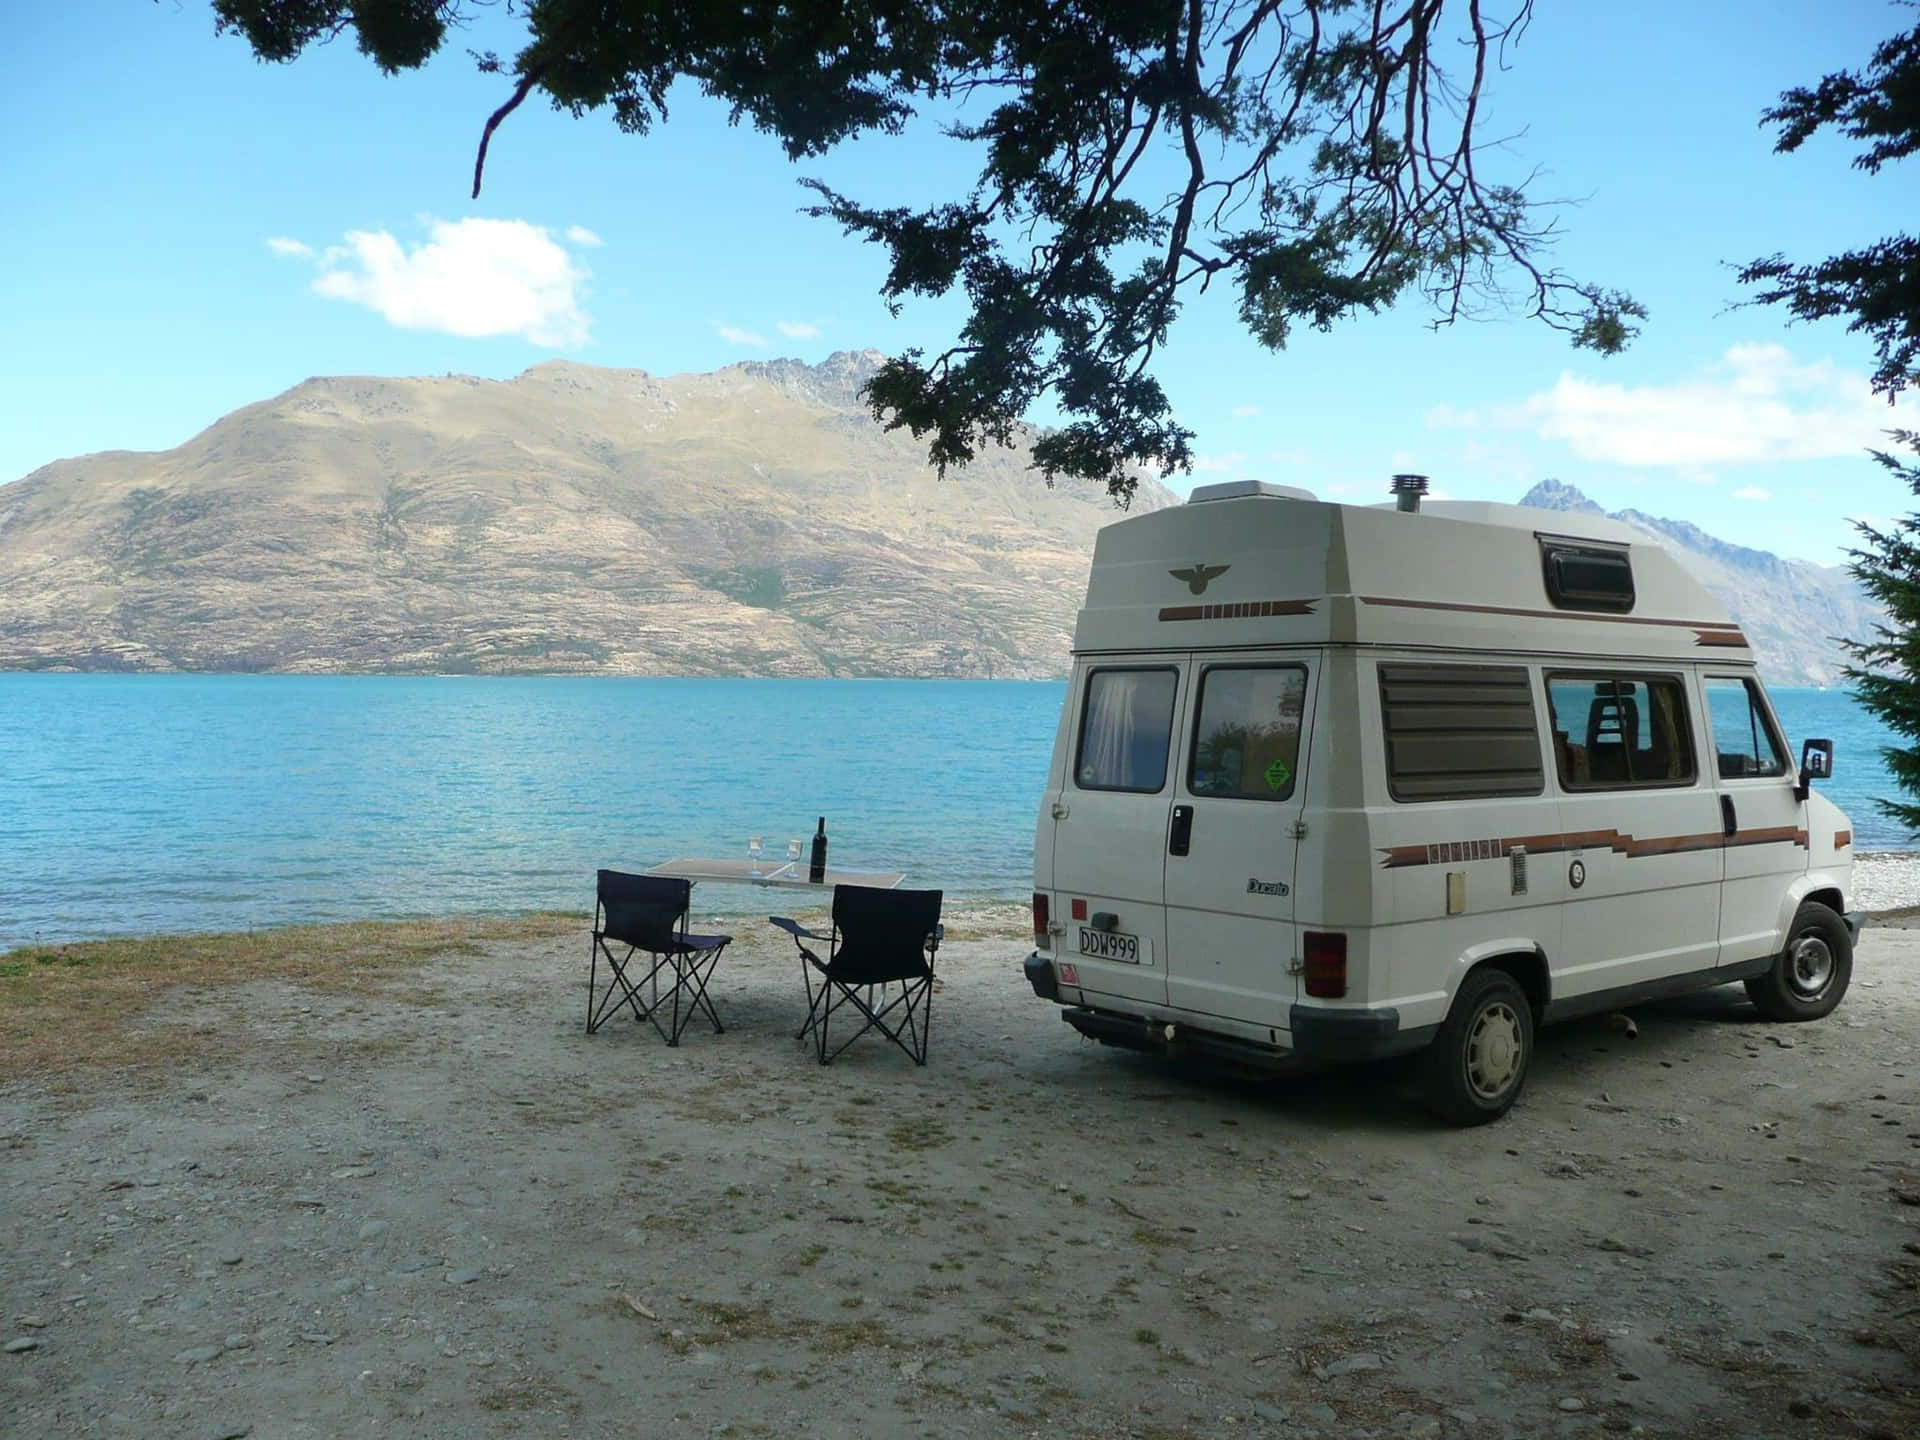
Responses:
[1812,968]
[1494,1051]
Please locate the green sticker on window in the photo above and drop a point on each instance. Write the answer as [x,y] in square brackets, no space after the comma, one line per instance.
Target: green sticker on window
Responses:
[1278,775]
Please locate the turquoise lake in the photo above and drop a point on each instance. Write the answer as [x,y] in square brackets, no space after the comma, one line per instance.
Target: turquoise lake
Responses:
[140,804]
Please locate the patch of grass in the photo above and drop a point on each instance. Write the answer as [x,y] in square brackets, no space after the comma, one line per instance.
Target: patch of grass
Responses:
[917,1135]
[812,1255]
[1145,1336]
[69,1007]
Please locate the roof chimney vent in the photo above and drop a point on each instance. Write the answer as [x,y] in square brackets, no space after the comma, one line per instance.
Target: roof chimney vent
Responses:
[1407,490]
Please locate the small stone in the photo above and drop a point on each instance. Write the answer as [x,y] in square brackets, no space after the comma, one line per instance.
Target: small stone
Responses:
[309,1202]
[230,1257]
[373,1229]
[199,1354]
[314,1337]
[1799,1409]
[1573,1404]
[22,1345]
[417,1264]
[33,1322]
[345,1285]
[1319,1415]
[241,1341]
[463,1277]
[238,1431]
[355,1172]
[1272,1414]
[1299,1194]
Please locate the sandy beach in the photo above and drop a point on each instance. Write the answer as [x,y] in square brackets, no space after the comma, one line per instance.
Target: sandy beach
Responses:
[431,1206]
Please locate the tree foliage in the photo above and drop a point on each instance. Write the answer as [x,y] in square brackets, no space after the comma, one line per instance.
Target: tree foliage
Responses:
[1878,289]
[1321,157]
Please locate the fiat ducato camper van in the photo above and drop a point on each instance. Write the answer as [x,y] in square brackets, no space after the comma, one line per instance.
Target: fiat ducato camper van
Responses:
[1339,782]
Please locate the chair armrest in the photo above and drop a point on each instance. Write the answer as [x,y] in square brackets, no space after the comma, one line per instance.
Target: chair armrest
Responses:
[939,934]
[795,928]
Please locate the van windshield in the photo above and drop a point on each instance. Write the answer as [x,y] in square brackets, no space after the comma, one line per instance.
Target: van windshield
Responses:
[1125,726]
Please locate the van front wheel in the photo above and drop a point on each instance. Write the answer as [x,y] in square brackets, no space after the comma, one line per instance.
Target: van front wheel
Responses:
[1810,975]
[1478,1062]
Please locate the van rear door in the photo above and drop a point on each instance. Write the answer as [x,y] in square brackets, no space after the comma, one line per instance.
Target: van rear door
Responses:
[1110,829]
[1231,851]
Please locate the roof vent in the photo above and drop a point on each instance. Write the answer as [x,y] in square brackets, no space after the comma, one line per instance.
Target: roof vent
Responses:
[1407,490]
[1239,489]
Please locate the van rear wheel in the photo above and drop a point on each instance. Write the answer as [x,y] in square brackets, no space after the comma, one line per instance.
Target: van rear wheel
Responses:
[1478,1062]
[1810,975]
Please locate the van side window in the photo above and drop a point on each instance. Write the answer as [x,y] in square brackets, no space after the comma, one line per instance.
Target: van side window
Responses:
[1586,575]
[1125,727]
[1743,733]
[1612,732]
[1246,744]
[1460,732]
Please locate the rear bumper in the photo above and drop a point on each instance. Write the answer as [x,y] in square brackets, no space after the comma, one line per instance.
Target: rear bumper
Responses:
[1353,1034]
[1041,975]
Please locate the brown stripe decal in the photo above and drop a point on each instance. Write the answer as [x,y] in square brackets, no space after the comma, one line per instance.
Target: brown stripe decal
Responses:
[1238,610]
[1451,852]
[1698,626]
[1731,638]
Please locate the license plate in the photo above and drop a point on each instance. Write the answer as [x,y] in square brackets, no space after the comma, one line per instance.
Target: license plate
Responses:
[1115,945]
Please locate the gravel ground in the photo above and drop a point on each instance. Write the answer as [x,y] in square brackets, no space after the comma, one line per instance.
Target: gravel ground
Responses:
[1886,880]
[445,1212]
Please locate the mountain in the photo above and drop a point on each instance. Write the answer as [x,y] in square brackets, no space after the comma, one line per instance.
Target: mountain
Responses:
[1791,610]
[573,519]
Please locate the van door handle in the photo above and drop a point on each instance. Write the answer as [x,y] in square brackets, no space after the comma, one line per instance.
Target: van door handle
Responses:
[1181,836]
[1729,822]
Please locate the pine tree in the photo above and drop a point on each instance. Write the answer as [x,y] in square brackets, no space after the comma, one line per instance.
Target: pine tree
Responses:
[1886,675]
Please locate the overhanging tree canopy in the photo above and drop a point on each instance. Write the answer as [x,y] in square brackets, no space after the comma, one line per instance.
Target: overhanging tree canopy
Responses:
[1321,156]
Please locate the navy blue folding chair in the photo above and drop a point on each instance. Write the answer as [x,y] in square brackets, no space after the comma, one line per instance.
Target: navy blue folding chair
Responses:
[648,915]
[880,939]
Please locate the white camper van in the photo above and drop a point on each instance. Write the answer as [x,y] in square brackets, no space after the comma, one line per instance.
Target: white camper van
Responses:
[1340,782]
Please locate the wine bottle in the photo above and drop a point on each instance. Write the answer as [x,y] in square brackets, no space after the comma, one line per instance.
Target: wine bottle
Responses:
[817,866]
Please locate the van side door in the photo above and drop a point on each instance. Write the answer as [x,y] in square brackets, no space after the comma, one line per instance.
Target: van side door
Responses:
[1641,827]
[1766,824]
[1231,848]
[1110,830]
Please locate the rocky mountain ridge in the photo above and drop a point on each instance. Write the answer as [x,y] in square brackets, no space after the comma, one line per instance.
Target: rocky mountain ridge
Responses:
[577,519]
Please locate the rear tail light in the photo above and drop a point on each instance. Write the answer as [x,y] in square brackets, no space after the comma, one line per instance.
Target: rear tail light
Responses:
[1042,913]
[1326,964]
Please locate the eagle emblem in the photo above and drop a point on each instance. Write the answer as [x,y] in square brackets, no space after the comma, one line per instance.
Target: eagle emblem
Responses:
[1197,576]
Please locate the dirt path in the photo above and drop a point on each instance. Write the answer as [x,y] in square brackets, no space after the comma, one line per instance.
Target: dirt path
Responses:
[447,1212]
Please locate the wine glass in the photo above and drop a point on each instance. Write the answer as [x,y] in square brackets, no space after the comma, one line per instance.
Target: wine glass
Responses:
[754,851]
[794,852]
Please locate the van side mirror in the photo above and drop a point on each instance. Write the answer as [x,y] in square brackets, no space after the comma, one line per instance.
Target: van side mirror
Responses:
[1816,763]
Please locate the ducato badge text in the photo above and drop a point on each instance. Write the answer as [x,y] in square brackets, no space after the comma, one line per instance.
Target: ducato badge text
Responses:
[1268,887]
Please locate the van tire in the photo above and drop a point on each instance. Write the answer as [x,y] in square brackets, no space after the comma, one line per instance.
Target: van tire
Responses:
[1811,972]
[1477,1064]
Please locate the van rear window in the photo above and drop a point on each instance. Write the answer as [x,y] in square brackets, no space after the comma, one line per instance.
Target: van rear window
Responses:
[1246,741]
[1460,732]
[1126,723]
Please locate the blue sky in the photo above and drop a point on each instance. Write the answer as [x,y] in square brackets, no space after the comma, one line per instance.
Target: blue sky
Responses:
[191,231]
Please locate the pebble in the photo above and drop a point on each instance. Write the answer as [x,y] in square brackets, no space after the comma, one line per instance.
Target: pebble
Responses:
[22,1345]
[314,1337]
[1572,1404]
[463,1277]
[1272,1414]
[233,1432]
[33,1322]
[355,1172]
[417,1264]
[373,1229]
[1319,1414]
[241,1341]
[230,1257]
[199,1354]
[346,1285]
[1299,1194]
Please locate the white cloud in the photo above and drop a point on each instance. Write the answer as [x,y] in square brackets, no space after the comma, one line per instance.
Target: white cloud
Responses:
[283,245]
[1219,464]
[1245,412]
[473,278]
[581,235]
[1752,492]
[799,330]
[734,335]
[1756,404]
